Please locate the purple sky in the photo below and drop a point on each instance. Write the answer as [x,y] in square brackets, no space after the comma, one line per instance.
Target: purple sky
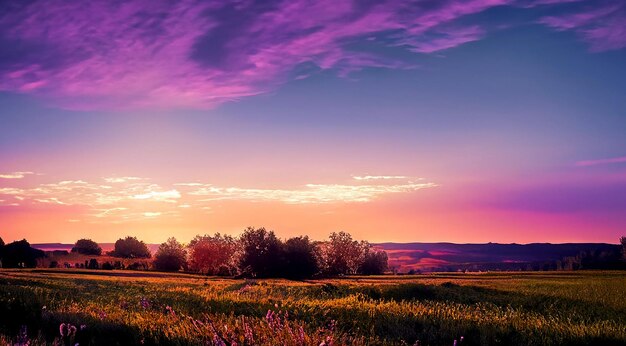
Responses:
[476,120]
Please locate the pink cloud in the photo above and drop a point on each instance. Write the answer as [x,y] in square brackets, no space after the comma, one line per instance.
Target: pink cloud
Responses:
[621,159]
[449,38]
[198,54]
[603,26]
[194,54]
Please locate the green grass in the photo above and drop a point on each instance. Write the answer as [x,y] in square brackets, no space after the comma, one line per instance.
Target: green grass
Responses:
[551,308]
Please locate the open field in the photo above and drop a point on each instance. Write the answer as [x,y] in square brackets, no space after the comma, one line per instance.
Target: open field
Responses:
[129,307]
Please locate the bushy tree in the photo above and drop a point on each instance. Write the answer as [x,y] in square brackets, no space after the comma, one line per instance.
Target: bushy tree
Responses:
[171,256]
[87,247]
[375,262]
[343,255]
[19,254]
[623,242]
[92,264]
[261,253]
[213,255]
[301,258]
[1,250]
[130,247]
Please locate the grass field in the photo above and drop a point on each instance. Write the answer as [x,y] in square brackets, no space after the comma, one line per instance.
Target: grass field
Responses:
[127,308]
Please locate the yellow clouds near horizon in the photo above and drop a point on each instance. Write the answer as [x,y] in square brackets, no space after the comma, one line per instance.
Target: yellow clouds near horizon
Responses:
[117,200]
[15,175]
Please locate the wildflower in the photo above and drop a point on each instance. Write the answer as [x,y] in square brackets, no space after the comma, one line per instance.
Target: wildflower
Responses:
[218,341]
[145,303]
[269,315]
[83,327]
[332,325]
[248,336]
[22,338]
[169,310]
[301,335]
[67,330]
[102,315]
[454,343]
[124,304]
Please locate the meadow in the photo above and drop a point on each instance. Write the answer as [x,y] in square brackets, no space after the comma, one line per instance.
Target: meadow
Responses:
[88,307]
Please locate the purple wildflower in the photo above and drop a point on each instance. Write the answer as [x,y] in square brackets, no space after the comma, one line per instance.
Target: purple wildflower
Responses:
[124,305]
[67,330]
[145,303]
[332,325]
[269,315]
[301,335]
[22,338]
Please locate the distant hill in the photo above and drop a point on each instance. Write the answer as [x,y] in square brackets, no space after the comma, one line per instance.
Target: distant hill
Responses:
[68,247]
[490,256]
[427,257]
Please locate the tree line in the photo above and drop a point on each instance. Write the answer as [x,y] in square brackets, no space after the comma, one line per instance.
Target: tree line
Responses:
[259,253]
[256,252]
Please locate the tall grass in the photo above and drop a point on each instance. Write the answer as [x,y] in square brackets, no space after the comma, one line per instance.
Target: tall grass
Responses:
[506,309]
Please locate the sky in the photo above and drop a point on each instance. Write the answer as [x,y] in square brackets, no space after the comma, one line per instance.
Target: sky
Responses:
[403,121]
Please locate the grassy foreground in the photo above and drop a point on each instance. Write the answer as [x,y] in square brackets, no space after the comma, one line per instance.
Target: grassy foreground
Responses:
[127,308]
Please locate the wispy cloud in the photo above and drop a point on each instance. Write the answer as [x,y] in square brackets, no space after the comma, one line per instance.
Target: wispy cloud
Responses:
[15,175]
[114,180]
[198,54]
[379,177]
[621,159]
[310,193]
[138,198]
[151,214]
[602,24]
[169,196]
[445,38]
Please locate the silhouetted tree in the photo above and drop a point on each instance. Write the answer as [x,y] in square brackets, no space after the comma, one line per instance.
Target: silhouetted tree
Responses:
[130,247]
[301,258]
[93,264]
[342,255]
[374,263]
[171,256]
[261,253]
[87,247]
[213,255]
[1,250]
[19,254]
[622,240]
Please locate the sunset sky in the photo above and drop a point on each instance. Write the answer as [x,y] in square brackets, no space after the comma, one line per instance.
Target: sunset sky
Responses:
[446,120]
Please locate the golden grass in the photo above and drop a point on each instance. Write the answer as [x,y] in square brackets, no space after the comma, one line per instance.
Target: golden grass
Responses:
[550,308]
